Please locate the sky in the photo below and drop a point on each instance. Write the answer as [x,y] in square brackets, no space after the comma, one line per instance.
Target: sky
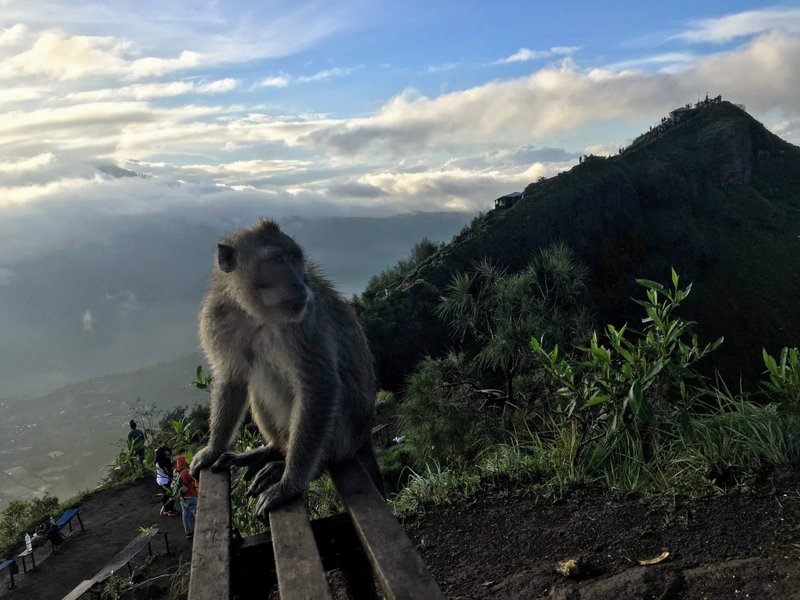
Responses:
[131,132]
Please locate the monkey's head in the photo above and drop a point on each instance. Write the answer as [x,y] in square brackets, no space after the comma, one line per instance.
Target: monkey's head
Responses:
[266,271]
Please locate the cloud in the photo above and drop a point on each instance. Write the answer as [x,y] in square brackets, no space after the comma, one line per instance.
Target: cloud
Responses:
[667,60]
[526,54]
[27,164]
[6,275]
[441,68]
[56,54]
[154,67]
[730,27]
[11,36]
[214,35]
[88,321]
[325,75]
[278,81]
[21,94]
[564,97]
[147,91]
[217,87]
[284,79]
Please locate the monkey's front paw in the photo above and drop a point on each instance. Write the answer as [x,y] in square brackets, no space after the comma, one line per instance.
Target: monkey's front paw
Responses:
[266,477]
[202,460]
[273,497]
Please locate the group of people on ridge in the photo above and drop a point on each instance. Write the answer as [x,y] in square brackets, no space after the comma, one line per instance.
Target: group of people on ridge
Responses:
[175,480]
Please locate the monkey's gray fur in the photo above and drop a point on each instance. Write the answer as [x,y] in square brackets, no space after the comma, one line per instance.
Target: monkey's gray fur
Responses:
[282,342]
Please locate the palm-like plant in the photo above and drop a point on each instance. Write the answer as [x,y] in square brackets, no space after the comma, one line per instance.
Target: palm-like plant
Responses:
[504,310]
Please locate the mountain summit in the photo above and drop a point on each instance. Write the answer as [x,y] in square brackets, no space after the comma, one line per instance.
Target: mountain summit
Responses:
[710,192]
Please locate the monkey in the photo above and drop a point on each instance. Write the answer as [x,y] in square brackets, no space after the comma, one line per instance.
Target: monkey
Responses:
[282,342]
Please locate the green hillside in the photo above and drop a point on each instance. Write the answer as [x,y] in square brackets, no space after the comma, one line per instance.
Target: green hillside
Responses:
[716,195]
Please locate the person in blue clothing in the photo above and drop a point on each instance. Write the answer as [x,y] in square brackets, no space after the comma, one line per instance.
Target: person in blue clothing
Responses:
[136,437]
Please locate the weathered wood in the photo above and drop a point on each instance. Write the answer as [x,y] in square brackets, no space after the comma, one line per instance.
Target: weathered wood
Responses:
[120,559]
[126,555]
[211,548]
[397,566]
[83,587]
[297,561]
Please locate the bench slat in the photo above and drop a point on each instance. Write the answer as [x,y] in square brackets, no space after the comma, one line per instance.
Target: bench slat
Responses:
[68,514]
[126,555]
[83,587]
[211,548]
[397,566]
[297,562]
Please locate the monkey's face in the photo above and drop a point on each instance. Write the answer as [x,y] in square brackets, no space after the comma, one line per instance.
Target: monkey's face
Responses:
[272,281]
[281,283]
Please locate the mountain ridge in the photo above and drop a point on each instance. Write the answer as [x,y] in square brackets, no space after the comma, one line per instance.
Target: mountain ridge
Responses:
[716,196]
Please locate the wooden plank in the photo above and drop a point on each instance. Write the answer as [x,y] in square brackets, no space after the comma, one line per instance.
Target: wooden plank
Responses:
[398,568]
[211,547]
[297,562]
[126,555]
[83,587]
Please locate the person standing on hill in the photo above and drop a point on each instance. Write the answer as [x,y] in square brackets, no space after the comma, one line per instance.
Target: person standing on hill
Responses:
[187,490]
[136,437]
[164,470]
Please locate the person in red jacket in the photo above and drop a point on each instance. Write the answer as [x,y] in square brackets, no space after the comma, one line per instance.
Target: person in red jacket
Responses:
[187,491]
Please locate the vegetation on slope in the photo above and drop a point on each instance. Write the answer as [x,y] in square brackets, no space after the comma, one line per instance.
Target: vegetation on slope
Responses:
[716,196]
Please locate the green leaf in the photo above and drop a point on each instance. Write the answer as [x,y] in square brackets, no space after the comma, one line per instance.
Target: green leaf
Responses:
[674,279]
[652,285]
[599,399]
[639,406]
[770,363]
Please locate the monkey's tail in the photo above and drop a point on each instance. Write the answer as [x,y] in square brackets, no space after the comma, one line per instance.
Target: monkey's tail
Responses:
[366,456]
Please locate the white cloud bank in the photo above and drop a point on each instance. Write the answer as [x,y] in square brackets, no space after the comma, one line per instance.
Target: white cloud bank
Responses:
[730,27]
[413,151]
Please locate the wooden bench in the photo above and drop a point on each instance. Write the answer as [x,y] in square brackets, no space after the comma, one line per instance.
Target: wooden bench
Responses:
[11,567]
[121,559]
[66,519]
[366,542]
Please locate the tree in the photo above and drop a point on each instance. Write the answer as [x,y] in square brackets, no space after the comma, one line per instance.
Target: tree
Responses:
[504,310]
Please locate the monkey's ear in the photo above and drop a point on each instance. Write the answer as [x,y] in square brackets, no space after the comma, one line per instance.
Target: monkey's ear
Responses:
[226,257]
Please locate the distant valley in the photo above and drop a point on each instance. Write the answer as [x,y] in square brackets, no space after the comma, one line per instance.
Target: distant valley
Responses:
[63,442]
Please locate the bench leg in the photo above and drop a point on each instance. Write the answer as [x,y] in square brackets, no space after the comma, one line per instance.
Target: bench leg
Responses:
[166,541]
[130,571]
[69,523]
[24,565]
[33,561]
[80,521]
[13,585]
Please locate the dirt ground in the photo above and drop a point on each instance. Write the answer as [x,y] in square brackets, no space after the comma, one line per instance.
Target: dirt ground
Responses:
[745,544]
[112,518]
[742,545]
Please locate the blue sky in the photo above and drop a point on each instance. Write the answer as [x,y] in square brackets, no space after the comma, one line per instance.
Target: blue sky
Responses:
[128,129]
